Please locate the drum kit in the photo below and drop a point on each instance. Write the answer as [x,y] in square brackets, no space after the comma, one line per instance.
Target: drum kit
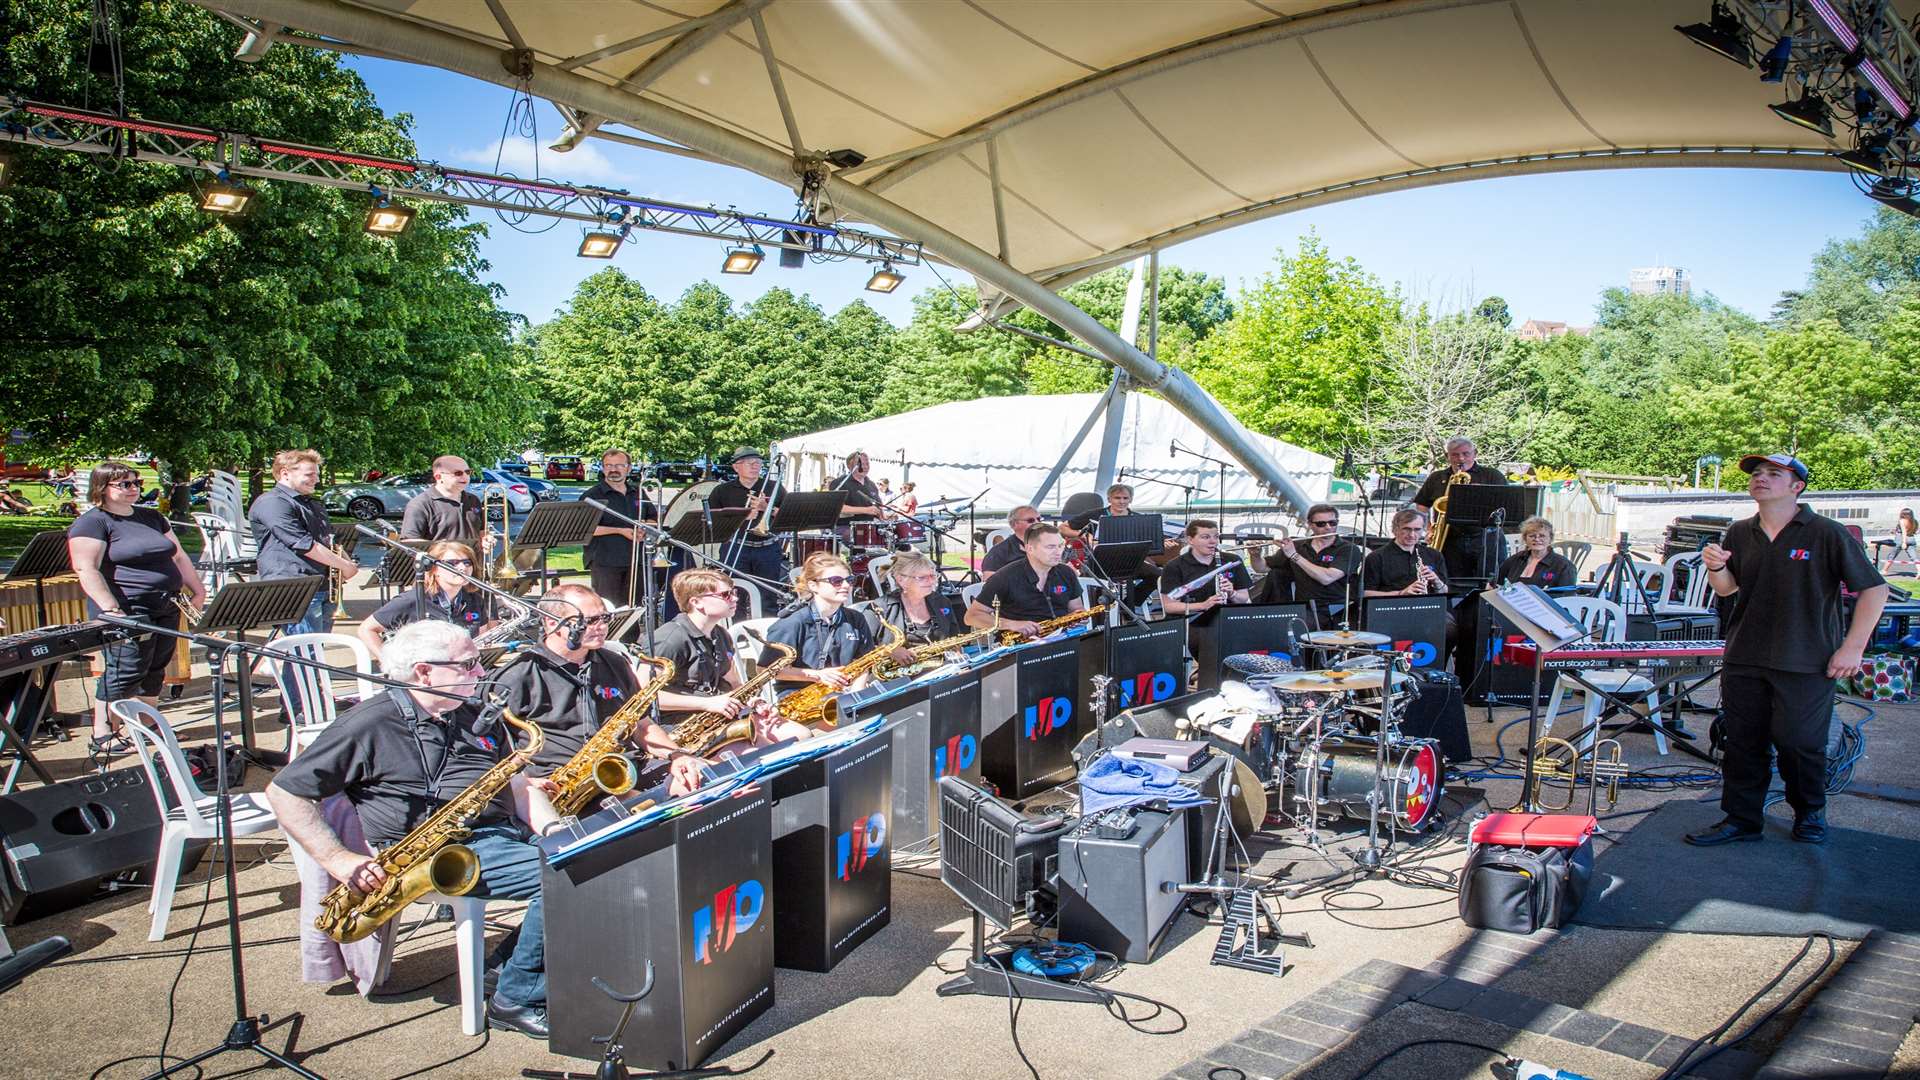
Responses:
[861,542]
[1325,744]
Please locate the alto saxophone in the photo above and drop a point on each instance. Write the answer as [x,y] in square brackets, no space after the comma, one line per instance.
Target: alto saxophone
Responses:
[700,733]
[599,767]
[1048,626]
[431,858]
[818,704]
[1437,536]
[935,650]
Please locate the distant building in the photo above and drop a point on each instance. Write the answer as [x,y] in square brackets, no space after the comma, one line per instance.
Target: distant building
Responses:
[1659,281]
[1542,330]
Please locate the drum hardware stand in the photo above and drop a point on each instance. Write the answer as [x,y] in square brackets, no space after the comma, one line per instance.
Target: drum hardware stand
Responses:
[1244,909]
[1370,861]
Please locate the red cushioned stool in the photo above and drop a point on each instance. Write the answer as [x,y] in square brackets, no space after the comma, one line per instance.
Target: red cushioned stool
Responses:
[1526,871]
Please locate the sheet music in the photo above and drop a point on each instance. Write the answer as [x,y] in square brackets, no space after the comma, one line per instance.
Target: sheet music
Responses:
[1534,612]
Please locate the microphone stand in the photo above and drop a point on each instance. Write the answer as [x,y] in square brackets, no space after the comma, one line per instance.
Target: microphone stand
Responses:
[1175,447]
[658,535]
[1188,489]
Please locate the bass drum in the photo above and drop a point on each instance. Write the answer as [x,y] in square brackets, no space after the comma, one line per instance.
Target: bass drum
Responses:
[690,502]
[1411,787]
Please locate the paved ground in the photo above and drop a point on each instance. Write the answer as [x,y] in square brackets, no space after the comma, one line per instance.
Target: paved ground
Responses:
[119,996]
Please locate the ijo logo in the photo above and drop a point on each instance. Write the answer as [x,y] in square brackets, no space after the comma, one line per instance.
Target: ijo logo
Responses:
[1423,652]
[852,849]
[956,756]
[1497,649]
[734,911]
[1147,688]
[1049,716]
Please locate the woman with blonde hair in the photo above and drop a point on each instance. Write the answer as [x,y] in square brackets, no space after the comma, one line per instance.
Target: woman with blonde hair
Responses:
[824,635]
[442,596]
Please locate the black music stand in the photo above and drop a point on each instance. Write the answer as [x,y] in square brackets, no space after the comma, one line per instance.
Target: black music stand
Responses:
[1133,528]
[398,568]
[274,603]
[1495,508]
[809,511]
[46,556]
[555,524]
[708,527]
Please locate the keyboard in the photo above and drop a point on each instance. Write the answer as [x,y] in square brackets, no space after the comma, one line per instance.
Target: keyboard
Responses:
[1606,654]
[34,648]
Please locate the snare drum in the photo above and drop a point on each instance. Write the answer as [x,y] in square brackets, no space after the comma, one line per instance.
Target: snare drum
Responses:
[812,544]
[908,533]
[1411,787]
[871,534]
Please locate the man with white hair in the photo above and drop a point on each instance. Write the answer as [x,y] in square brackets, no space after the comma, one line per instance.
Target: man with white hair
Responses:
[1463,551]
[401,755]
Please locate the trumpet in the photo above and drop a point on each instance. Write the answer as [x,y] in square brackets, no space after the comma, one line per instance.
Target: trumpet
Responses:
[501,568]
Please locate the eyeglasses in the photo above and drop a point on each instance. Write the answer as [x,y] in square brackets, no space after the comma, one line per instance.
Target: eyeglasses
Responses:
[922,577]
[1025,521]
[836,580]
[471,663]
[457,562]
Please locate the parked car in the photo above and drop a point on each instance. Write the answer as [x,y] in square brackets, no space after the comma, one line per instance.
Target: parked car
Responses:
[538,490]
[566,467]
[514,466]
[679,472]
[388,497]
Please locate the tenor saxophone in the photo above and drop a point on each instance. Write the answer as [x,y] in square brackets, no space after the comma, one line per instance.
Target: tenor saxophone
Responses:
[817,704]
[600,767]
[1437,536]
[1042,629]
[431,858]
[700,733]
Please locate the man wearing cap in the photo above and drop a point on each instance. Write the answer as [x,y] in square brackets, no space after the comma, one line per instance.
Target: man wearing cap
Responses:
[1784,568]
[759,556]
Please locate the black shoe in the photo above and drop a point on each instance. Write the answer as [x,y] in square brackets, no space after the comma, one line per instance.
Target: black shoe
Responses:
[528,1020]
[1725,832]
[1811,828]
[491,979]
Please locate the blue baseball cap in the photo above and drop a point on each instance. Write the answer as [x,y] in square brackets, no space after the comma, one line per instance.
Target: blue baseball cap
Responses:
[1786,461]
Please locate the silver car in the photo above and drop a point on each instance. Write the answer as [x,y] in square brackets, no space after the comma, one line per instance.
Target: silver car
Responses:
[388,497]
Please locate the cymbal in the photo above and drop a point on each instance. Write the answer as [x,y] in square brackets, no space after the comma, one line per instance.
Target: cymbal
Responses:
[1335,680]
[1345,637]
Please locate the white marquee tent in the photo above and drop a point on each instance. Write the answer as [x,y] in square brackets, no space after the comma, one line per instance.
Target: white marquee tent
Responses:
[1005,446]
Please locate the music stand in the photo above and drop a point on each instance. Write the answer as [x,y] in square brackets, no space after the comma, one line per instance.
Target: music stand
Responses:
[1120,560]
[556,524]
[397,568]
[244,605]
[808,511]
[46,556]
[1490,506]
[708,527]
[1132,528]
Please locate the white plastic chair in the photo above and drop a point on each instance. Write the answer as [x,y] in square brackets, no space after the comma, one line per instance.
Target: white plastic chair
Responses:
[750,600]
[197,815]
[229,504]
[995,536]
[1693,599]
[1576,552]
[308,692]
[970,593]
[1609,624]
[877,571]
[746,647]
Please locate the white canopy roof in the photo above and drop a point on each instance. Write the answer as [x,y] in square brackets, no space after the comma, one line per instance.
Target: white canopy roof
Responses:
[1006,445]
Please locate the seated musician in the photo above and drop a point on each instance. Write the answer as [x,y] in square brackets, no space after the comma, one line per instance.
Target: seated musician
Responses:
[442,595]
[696,642]
[401,755]
[824,635]
[1120,504]
[1318,571]
[570,683]
[1202,558]
[1537,563]
[919,609]
[1032,590]
[129,563]
[863,496]
[1011,549]
[1407,566]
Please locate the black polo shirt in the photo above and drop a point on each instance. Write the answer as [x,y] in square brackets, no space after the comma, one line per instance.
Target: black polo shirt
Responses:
[1555,571]
[945,619]
[286,525]
[569,701]
[432,516]
[1786,615]
[1286,579]
[1023,595]
[610,550]
[733,495]
[1006,552]
[859,492]
[834,642]
[1394,567]
[1183,568]
[469,609]
[396,764]
[701,662]
[1435,484]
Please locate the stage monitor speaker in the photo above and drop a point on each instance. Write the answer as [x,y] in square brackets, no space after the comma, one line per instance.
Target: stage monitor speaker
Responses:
[63,842]
[1116,894]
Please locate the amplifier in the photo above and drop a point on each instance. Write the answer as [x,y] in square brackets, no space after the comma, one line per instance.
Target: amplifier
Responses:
[1116,893]
[61,843]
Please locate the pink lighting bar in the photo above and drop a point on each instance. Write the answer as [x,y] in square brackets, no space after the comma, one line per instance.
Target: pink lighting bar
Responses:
[1881,83]
[129,125]
[338,158]
[1835,25]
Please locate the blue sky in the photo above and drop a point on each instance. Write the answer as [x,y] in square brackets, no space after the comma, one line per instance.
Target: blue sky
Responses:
[1548,244]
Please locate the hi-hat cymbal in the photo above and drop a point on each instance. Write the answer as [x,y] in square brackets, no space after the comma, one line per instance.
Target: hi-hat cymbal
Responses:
[1325,638]
[1303,682]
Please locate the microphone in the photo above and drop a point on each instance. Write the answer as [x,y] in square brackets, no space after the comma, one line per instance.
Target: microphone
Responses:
[576,632]
[1170,446]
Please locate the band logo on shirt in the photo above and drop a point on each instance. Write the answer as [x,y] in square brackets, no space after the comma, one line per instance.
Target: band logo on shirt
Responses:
[1800,554]
[608,693]
[1059,590]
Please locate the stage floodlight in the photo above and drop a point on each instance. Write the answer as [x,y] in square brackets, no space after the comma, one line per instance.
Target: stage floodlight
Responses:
[388,220]
[846,158]
[742,259]
[599,245]
[223,198]
[885,280]
[1806,111]
[1773,66]
[1722,34]
[1896,194]
[1868,156]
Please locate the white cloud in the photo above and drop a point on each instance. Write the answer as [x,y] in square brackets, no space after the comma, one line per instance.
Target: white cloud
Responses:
[585,164]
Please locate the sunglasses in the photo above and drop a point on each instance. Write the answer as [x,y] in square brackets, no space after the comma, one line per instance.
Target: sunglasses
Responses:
[729,597]
[599,620]
[458,472]
[836,580]
[1324,524]
[134,484]
[457,562]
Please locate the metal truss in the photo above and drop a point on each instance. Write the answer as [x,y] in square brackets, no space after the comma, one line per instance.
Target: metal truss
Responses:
[230,154]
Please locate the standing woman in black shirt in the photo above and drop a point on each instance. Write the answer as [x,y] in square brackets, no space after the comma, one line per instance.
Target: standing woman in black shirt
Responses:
[129,563]
[444,596]
[1537,563]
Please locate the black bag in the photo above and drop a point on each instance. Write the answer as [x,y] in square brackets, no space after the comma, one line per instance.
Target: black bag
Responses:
[1521,889]
[200,762]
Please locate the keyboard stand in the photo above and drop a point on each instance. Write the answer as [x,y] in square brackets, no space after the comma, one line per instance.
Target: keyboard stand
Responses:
[1651,722]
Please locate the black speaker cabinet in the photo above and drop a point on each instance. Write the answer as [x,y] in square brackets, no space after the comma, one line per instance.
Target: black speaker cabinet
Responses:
[1114,893]
[61,843]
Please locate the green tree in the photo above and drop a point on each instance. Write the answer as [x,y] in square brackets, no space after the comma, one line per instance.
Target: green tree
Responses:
[1297,360]
[934,363]
[1861,282]
[1494,310]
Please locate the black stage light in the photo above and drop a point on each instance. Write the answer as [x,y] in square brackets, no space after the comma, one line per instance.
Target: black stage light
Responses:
[1897,194]
[599,245]
[885,280]
[1722,34]
[742,259]
[1806,111]
[846,159]
[1773,66]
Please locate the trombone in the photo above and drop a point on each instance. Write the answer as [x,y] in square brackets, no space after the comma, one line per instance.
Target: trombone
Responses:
[500,567]
[1559,762]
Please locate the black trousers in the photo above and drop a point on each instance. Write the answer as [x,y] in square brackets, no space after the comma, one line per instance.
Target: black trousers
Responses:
[610,583]
[1787,712]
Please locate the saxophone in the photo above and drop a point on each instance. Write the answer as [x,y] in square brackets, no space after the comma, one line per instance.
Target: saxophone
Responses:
[1437,536]
[935,650]
[1048,626]
[700,733]
[817,704]
[599,767]
[428,859]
